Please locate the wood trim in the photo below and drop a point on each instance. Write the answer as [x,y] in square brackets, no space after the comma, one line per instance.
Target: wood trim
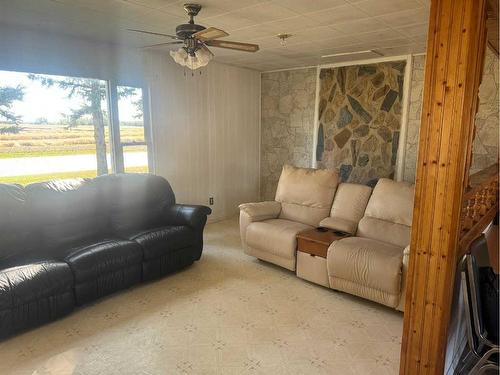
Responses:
[456,30]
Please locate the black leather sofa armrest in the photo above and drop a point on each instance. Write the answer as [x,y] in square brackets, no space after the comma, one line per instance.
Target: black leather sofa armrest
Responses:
[185,214]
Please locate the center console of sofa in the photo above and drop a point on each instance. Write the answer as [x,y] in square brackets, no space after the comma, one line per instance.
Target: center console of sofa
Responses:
[312,250]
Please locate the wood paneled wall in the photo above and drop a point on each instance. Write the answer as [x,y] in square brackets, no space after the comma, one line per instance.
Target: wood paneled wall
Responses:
[206,132]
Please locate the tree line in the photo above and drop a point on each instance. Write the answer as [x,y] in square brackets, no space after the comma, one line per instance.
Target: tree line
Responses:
[91,92]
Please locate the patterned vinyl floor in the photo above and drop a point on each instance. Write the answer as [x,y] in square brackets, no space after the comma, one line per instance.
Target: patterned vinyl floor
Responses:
[227,314]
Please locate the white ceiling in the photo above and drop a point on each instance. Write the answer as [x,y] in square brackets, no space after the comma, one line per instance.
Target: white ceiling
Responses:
[319,27]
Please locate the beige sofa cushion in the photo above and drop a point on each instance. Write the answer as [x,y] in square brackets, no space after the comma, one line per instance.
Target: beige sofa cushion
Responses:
[348,207]
[276,236]
[385,231]
[306,195]
[368,268]
[389,213]
[392,201]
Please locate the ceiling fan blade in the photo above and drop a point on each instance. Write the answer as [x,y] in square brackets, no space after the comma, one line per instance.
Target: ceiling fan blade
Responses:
[162,44]
[152,33]
[210,34]
[246,47]
[204,48]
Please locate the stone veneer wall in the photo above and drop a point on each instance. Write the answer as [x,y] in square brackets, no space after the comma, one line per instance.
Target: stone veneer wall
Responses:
[360,119]
[288,121]
[485,149]
[287,125]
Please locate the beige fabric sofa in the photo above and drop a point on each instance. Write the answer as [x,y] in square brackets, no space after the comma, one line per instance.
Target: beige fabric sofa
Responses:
[373,263]
[348,207]
[268,229]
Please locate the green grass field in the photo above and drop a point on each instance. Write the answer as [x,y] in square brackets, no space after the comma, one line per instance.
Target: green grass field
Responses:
[55,140]
[58,140]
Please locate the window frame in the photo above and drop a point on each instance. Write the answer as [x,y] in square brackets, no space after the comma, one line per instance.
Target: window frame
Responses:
[117,146]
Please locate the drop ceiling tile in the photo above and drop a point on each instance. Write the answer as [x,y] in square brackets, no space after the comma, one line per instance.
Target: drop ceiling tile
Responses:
[335,15]
[301,6]
[154,4]
[384,7]
[328,26]
[252,32]
[229,22]
[289,25]
[420,39]
[403,50]
[390,43]
[406,17]
[313,34]
[337,42]
[228,5]
[359,26]
[160,21]
[414,30]
[264,12]
[378,36]
[209,9]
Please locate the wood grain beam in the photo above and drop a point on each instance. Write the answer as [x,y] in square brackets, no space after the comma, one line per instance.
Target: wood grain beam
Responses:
[455,47]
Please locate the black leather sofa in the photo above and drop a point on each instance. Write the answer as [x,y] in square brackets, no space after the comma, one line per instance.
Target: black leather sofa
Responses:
[66,243]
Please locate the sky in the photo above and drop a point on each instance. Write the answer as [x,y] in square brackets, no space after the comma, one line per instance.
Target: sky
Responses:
[51,103]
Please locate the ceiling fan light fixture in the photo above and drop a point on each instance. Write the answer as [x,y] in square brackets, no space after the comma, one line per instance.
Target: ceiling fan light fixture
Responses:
[195,54]
[180,56]
[201,58]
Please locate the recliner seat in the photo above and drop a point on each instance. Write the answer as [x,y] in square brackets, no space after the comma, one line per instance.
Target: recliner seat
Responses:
[303,198]
[31,293]
[373,263]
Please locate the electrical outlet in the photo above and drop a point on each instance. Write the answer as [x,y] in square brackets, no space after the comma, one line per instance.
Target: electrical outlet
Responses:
[211,201]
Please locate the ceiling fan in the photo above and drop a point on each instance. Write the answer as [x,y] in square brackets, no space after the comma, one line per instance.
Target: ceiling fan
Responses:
[195,39]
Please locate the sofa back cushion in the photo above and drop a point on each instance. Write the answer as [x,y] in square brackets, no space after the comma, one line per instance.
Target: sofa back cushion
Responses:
[14,224]
[306,195]
[388,215]
[134,200]
[65,212]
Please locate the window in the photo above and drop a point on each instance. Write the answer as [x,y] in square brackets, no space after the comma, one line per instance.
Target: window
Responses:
[55,127]
[133,139]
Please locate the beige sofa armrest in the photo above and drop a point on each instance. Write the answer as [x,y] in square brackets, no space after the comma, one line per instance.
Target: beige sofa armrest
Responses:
[261,210]
[339,224]
[406,260]
[250,212]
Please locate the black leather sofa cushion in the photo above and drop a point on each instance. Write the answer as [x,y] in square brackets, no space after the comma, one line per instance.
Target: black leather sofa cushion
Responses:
[14,226]
[159,241]
[134,201]
[33,294]
[102,267]
[98,258]
[66,212]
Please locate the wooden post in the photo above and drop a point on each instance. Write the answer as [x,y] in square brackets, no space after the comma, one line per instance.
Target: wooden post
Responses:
[454,60]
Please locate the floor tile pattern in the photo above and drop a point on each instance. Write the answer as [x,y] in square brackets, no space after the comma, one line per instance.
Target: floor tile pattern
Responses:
[227,314]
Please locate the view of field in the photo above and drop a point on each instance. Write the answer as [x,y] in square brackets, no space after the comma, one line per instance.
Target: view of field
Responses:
[50,140]
[42,152]
[56,127]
